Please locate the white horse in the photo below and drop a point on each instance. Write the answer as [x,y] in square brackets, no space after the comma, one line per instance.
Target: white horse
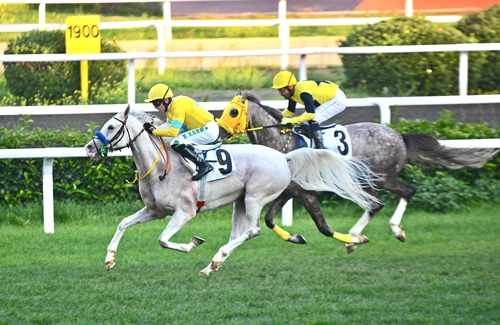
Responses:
[249,176]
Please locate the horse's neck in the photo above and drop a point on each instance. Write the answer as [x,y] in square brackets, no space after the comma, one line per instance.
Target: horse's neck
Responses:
[270,137]
[146,149]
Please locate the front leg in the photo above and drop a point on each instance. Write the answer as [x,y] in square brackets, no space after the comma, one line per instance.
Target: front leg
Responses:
[179,219]
[143,215]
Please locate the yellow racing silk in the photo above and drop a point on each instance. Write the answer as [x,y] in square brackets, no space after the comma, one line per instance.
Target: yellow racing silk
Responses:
[234,118]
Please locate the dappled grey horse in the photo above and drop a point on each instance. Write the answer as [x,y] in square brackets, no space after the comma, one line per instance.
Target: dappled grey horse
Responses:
[241,176]
[386,151]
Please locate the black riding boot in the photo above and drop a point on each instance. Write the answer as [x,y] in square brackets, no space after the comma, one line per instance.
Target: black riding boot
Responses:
[318,139]
[188,152]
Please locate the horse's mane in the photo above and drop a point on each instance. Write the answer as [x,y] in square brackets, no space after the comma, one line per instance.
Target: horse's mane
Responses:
[144,117]
[273,112]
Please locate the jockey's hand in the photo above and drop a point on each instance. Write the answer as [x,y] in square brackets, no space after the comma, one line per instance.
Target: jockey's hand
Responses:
[148,127]
[286,121]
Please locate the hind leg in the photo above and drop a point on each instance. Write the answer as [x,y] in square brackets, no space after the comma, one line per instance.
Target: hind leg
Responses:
[275,207]
[247,213]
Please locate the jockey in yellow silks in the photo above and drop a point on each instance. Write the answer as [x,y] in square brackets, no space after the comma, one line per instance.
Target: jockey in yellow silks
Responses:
[184,113]
[322,100]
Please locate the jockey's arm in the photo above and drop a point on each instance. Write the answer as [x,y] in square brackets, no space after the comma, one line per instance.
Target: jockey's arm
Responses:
[172,131]
[309,109]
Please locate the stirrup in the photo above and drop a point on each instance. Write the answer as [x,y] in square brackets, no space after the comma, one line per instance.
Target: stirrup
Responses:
[202,172]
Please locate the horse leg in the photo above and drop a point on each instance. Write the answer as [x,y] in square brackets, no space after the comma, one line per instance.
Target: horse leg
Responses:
[252,229]
[405,192]
[362,223]
[143,215]
[179,219]
[275,207]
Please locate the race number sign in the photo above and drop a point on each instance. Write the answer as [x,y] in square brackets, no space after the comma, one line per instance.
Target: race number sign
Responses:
[83,35]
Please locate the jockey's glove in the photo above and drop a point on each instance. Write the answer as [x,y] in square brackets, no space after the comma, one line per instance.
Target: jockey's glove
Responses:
[148,127]
[286,120]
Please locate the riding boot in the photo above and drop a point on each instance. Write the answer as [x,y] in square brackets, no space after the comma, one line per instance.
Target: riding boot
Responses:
[318,139]
[188,152]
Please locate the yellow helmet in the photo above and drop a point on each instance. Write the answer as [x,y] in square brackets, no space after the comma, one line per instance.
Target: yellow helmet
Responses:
[159,91]
[283,79]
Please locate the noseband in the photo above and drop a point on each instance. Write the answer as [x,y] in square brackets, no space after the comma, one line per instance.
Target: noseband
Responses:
[110,146]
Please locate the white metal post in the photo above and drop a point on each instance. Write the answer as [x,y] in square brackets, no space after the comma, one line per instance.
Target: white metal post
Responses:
[302,68]
[161,47]
[167,18]
[409,8]
[131,82]
[287,213]
[284,33]
[41,16]
[48,196]
[463,70]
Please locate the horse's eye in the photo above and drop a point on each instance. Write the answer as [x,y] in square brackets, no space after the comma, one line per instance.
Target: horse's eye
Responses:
[111,127]
[233,112]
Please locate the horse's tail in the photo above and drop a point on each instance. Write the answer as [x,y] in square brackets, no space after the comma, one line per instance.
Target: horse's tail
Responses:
[425,150]
[323,170]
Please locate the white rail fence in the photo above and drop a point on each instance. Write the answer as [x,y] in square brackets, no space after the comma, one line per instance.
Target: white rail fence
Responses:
[463,49]
[49,154]
[164,27]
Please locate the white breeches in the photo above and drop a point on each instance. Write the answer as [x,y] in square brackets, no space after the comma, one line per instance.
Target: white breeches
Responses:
[331,108]
[204,135]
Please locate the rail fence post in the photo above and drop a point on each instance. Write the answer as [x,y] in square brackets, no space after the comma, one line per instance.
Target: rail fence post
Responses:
[284,33]
[48,196]
[463,67]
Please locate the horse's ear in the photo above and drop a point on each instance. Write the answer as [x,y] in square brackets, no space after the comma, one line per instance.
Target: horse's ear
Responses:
[238,92]
[127,110]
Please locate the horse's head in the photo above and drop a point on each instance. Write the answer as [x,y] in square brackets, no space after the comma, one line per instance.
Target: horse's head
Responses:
[118,133]
[234,118]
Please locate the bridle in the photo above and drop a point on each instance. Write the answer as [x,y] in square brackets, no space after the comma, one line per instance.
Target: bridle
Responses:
[110,145]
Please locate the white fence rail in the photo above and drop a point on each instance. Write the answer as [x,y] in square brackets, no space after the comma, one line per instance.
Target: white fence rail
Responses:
[164,27]
[463,49]
[49,154]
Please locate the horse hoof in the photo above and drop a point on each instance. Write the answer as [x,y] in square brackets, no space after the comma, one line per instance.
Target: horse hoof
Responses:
[297,239]
[110,264]
[401,237]
[350,248]
[362,239]
[206,271]
[197,241]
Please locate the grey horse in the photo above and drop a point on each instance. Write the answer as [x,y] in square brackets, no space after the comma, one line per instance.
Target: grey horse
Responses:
[383,149]
[241,176]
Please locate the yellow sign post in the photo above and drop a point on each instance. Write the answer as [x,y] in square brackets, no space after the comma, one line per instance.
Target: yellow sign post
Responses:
[83,37]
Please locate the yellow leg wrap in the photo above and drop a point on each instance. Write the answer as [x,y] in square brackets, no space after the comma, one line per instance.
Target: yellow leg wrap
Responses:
[343,237]
[285,235]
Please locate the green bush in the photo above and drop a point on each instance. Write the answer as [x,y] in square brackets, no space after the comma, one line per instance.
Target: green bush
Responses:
[51,81]
[485,26]
[75,179]
[85,180]
[408,74]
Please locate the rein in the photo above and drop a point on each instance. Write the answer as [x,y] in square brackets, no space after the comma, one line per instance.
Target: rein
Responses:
[109,146]
[166,158]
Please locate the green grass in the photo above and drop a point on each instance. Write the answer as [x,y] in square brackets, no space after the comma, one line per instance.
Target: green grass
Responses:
[445,273]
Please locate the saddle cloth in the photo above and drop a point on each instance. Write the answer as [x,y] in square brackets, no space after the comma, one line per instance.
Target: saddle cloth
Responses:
[220,158]
[335,138]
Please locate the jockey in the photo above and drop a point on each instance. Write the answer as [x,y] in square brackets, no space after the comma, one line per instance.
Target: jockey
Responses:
[183,111]
[322,100]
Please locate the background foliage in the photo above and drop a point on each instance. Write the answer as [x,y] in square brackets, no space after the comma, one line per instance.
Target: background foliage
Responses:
[84,180]
[51,81]
[408,74]
[485,26]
